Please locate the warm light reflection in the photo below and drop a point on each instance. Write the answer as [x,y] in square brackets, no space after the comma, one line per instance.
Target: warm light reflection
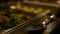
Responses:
[19,5]
[13,7]
[40,9]
[26,8]
[58,2]
[31,9]
[35,11]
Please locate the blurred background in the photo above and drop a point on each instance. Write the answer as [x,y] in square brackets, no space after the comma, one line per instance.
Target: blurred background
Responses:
[29,16]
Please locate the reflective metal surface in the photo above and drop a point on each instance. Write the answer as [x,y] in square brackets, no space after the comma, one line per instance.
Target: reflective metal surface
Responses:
[40,21]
